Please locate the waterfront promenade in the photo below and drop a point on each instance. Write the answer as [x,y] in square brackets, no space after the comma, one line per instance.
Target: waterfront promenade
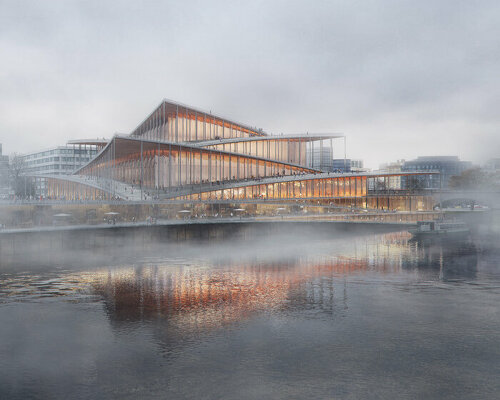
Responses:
[394,218]
[62,244]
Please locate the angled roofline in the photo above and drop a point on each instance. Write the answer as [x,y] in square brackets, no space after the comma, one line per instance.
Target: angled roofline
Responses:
[101,151]
[231,153]
[70,178]
[190,145]
[309,138]
[95,142]
[292,178]
[322,175]
[199,110]
[195,189]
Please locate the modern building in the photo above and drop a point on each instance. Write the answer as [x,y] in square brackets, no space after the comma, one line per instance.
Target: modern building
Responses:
[492,165]
[180,153]
[394,182]
[5,188]
[446,166]
[60,160]
[347,165]
[320,157]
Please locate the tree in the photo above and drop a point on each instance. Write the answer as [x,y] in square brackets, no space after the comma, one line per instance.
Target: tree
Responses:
[23,186]
[475,179]
[469,179]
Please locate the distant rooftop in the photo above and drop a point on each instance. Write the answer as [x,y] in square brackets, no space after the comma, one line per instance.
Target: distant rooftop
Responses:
[437,158]
[95,142]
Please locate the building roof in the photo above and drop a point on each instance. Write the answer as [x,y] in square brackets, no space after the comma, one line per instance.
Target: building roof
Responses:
[95,142]
[299,137]
[128,144]
[435,158]
[171,107]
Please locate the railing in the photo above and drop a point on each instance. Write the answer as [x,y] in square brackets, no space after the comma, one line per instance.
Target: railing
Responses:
[372,218]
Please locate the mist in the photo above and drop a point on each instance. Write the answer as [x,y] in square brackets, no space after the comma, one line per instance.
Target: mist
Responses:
[139,278]
[149,318]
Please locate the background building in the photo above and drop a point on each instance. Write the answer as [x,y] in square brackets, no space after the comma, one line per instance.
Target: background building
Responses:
[320,157]
[347,165]
[394,182]
[60,160]
[447,166]
[492,165]
[5,190]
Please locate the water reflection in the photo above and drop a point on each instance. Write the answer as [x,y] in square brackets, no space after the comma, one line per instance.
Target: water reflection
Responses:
[229,285]
[199,297]
[208,297]
[368,315]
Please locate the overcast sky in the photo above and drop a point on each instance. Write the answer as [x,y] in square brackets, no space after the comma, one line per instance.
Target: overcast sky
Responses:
[399,78]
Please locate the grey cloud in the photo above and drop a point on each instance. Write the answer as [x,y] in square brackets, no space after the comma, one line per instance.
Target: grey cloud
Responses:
[402,72]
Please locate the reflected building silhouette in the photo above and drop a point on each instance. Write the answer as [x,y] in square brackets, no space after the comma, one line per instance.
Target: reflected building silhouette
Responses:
[450,260]
[226,289]
[203,298]
[198,298]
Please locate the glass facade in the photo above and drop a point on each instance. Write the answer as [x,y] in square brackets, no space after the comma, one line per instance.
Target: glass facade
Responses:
[447,166]
[154,165]
[292,151]
[173,122]
[353,186]
[180,153]
[62,160]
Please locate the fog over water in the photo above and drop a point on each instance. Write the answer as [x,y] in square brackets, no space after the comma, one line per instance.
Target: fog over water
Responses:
[140,312]
[366,316]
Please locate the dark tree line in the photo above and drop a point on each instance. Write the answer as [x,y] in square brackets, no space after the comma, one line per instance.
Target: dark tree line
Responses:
[475,178]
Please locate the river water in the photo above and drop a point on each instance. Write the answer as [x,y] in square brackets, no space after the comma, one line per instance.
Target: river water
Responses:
[367,316]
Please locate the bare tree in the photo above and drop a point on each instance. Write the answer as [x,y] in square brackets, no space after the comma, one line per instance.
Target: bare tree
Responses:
[22,185]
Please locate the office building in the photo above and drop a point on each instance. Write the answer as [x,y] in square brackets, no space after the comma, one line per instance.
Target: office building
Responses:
[347,165]
[60,160]
[447,166]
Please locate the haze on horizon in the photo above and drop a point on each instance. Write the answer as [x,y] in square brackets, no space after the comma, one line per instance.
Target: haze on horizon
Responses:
[399,78]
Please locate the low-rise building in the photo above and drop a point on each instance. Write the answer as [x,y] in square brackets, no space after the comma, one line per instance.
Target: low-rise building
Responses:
[447,166]
[60,160]
[492,165]
[394,182]
[348,165]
